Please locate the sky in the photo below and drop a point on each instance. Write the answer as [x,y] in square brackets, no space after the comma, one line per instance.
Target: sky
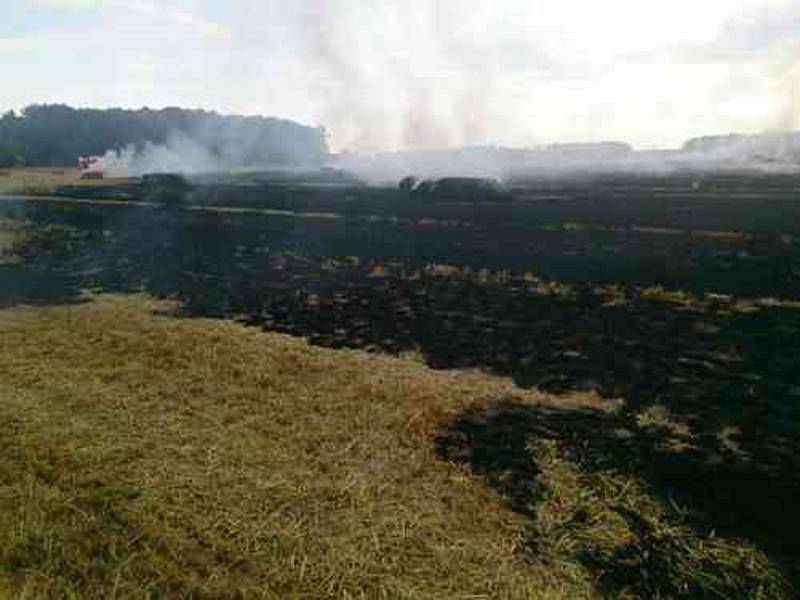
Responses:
[420,74]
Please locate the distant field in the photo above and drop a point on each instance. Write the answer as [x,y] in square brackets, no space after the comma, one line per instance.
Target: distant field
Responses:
[35,179]
[44,180]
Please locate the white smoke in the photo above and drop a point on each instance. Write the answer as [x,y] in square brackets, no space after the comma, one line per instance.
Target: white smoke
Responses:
[767,153]
[776,152]
[215,145]
[421,74]
[180,154]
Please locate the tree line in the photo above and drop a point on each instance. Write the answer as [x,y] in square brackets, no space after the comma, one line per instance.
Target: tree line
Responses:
[56,134]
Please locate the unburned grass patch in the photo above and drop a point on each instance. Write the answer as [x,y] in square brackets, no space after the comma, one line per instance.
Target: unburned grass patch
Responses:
[149,455]
[142,454]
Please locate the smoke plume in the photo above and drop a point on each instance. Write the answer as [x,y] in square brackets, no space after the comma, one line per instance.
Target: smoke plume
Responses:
[422,75]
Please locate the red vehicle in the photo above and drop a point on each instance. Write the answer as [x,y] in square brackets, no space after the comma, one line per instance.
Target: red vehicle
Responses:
[88,163]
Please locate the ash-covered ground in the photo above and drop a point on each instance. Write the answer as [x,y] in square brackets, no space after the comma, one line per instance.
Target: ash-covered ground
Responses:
[677,293]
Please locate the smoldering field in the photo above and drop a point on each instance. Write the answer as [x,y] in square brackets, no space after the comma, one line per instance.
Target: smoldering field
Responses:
[374,268]
[672,297]
[467,284]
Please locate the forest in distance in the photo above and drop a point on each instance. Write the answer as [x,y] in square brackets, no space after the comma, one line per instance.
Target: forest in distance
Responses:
[56,135]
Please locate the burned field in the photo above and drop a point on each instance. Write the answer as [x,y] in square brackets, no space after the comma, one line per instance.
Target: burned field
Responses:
[675,300]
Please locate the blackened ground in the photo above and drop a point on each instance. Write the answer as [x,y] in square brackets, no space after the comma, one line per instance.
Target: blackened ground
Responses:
[561,309]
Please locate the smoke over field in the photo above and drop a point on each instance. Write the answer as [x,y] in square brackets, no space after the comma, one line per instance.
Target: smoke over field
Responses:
[767,153]
[572,326]
[674,308]
[421,76]
[182,153]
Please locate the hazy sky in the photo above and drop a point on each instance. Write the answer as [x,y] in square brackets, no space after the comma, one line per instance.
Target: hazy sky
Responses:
[422,73]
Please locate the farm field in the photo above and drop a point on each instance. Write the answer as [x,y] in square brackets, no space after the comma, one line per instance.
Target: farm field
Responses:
[18,180]
[605,374]
[43,180]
